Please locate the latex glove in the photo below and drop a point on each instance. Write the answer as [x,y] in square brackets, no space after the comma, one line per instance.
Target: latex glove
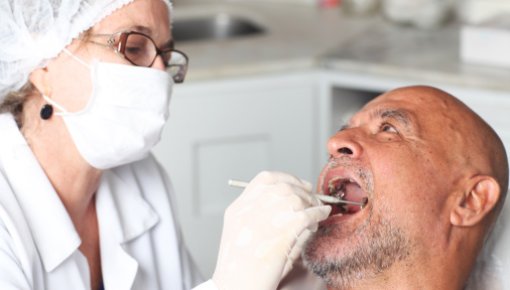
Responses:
[264,231]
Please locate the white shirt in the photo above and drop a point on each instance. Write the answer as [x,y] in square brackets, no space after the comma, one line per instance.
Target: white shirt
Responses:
[141,246]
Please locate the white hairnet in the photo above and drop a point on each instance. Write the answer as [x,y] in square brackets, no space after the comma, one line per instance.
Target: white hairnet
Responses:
[34,31]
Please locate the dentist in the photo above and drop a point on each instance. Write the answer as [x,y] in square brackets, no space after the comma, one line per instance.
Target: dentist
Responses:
[84,94]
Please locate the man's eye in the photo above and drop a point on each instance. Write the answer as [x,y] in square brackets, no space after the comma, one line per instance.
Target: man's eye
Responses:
[386,127]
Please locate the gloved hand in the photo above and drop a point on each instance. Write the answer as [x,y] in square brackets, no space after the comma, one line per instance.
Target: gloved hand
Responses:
[264,231]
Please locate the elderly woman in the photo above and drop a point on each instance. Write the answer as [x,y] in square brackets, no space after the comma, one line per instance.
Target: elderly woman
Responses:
[84,92]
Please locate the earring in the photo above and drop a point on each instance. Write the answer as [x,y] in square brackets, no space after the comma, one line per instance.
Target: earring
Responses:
[46,111]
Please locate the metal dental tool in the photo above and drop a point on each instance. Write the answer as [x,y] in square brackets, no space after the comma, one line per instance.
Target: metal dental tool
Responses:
[324,198]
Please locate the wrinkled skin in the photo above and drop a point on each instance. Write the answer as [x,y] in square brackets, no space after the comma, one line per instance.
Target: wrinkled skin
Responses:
[435,175]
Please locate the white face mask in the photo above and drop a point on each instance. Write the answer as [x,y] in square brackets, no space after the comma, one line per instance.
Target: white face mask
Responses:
[124,117]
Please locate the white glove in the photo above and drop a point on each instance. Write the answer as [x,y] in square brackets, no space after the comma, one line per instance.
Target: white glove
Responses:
[264,231]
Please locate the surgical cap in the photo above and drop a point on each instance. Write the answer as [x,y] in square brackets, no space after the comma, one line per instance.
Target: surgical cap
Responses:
[35,31]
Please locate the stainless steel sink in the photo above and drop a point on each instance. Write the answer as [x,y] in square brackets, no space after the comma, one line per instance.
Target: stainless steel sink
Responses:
[215,27]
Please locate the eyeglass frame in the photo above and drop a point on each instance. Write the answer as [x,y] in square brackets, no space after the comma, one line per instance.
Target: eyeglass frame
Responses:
[121,47]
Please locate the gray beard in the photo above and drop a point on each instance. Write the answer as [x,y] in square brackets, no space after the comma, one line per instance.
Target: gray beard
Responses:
[374,247]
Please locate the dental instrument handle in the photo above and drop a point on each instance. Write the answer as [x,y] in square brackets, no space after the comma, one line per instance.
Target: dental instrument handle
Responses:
[321,197]
[237,183]
[334,200]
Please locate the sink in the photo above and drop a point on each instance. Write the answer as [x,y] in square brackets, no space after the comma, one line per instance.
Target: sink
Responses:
[214,27]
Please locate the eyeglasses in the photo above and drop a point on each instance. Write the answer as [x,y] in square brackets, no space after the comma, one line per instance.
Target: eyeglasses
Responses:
[140,50]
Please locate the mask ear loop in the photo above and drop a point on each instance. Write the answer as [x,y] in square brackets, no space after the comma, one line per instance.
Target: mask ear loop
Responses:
[47,109]
[81,61]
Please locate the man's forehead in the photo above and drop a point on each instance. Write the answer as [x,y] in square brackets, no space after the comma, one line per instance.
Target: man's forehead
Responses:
[408,99]
[410,110]
[417,97]
[407,102]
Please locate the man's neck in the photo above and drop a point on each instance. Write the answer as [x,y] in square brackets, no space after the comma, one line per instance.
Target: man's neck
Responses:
[437,274]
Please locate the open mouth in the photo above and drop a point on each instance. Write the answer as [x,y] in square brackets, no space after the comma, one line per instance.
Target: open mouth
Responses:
[345,189]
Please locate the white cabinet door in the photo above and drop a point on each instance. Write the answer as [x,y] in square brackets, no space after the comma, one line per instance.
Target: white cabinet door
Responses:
[232,130]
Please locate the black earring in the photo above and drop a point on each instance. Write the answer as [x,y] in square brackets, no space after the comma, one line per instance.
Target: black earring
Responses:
[46,111]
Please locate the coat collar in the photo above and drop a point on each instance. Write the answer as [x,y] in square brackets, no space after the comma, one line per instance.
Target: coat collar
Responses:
[122,211]
[51,227]
[123,216]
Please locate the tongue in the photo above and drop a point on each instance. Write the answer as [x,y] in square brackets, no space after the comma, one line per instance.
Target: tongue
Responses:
[353,193]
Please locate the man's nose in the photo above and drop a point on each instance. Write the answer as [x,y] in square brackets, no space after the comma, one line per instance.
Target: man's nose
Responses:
[342,144]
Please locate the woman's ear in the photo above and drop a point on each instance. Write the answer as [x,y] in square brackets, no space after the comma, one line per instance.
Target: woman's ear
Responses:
[39,78]
[476,202]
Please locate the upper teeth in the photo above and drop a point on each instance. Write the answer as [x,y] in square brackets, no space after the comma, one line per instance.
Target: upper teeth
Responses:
[337,191]
[336,188]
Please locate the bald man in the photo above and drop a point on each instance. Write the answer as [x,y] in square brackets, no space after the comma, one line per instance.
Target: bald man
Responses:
[435,176]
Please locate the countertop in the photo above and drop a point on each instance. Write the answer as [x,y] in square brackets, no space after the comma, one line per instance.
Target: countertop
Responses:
[302,37]
[298,35]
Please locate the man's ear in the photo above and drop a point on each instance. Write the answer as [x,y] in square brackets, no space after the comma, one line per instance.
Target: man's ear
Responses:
[39,78]
[476,202]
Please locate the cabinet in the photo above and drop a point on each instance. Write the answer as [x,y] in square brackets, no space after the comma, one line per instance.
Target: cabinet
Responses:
[233,129]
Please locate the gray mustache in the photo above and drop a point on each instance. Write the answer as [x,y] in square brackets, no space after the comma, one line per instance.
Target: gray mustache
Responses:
[363,174]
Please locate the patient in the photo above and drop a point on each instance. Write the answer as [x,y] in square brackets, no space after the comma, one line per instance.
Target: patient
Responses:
[435,175]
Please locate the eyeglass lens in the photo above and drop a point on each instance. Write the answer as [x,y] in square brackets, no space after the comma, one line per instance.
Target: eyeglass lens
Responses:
[142,51]
[139,49]
[177,65]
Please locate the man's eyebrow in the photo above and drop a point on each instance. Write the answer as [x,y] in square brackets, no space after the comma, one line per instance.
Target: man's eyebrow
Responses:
[400,115]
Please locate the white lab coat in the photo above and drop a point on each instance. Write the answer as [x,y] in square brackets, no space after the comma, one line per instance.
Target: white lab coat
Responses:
[141,245]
